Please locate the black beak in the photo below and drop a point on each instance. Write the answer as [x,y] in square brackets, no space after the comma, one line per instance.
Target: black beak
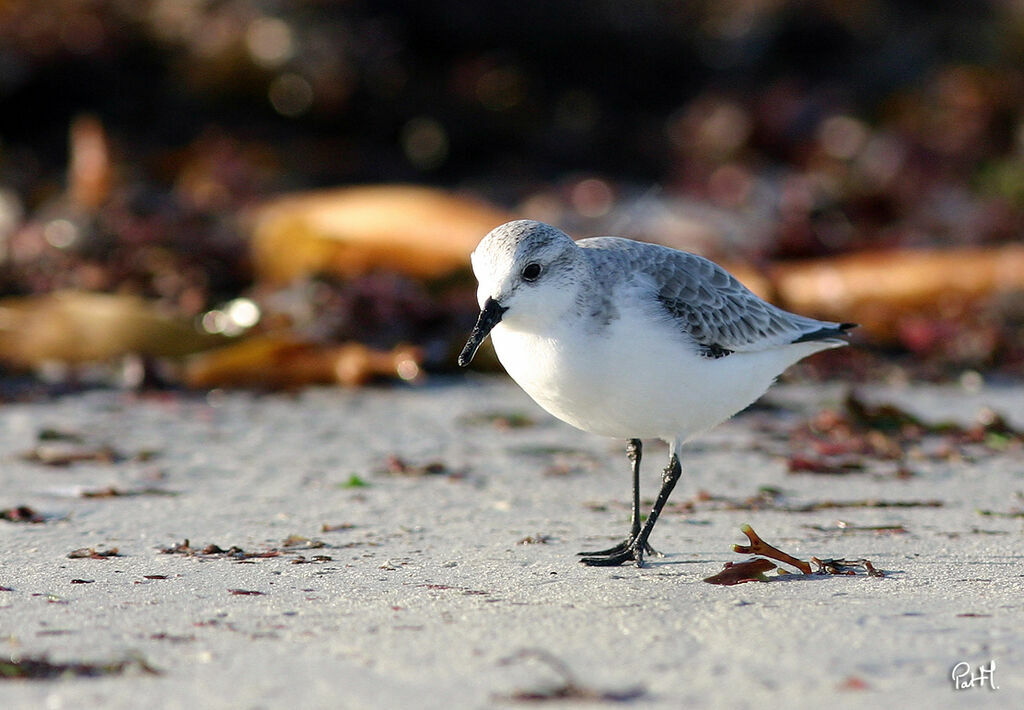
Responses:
[490,316]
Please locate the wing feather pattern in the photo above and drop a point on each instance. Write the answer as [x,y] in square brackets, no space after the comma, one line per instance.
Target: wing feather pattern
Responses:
[707,302]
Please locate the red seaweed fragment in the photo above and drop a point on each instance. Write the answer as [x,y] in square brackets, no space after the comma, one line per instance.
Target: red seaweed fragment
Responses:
[753,570]
[21,514]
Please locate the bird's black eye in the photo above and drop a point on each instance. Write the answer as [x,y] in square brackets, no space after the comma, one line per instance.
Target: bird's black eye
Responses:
[531,272]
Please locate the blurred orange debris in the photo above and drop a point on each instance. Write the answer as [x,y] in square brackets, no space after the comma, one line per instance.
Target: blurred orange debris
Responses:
[284,362]
[421,232]
[878,289]
[90,173]
[80,326]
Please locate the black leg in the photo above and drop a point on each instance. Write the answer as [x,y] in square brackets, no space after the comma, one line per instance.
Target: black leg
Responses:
[635,549]
[634,452]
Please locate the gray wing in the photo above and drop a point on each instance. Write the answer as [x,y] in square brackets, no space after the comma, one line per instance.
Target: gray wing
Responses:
[706,302]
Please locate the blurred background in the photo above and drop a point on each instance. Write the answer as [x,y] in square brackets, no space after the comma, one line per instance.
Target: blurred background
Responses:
[216,193]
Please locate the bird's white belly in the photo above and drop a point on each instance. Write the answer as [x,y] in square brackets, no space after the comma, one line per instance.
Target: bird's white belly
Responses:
[631,381]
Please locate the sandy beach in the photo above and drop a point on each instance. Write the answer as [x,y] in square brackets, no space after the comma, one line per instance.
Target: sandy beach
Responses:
[414,548]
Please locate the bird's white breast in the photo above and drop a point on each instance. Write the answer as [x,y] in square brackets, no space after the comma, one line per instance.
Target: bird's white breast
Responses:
[636,376]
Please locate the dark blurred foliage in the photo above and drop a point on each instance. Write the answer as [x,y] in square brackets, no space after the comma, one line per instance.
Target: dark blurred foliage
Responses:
[822,126]
[865,106]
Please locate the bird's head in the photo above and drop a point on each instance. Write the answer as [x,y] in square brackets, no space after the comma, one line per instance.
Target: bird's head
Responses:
[528,275]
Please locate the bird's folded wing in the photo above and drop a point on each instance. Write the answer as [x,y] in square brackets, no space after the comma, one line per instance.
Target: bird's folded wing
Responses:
[707,303]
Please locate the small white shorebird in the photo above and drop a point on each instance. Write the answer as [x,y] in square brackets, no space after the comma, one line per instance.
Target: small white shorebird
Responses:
[631,340]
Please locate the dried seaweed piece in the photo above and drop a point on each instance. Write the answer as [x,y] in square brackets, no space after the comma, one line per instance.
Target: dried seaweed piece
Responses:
[739,572]
[115,492]
[843,526]
[1016,513]
[769,498]
[499,420]
[758,546]
[93,554]
[301,560]
[60,455]
[538,539]
[41,668]
[334,527]
[298,541]
[21,514]
[246,592]
[846,567]
[810,464]
[216,552]
[753,569]
[400,467]
[569,688]
[54,434]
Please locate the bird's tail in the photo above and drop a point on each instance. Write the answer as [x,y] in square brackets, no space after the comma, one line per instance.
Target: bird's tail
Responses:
[830,332]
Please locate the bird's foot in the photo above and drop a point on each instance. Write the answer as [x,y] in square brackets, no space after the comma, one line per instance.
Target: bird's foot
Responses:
[626,544]
[626,551]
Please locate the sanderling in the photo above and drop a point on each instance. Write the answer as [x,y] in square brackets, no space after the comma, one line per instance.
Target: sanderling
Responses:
[631,340]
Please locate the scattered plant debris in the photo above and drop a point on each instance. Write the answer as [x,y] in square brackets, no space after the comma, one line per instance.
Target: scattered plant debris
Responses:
[853,683]
[55,434]
[6,589]
[846,567]
[758,546]
[335,527]
[753,570]
[499,420]
[771,498]
[315,559]
[740,572]
[560,460]
[59,448]
[246,593]
[173,638]
[843,526]
[60,455]
[1002,513]
[398,466]
[847,440]
[82,581]
[289,547]
[538,539]
[354,481]
[92,553]
[1014,512]
[468,591]
[299,542]
[115,492]
[216,552]
[21,514]
[569,688]
[41,668]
